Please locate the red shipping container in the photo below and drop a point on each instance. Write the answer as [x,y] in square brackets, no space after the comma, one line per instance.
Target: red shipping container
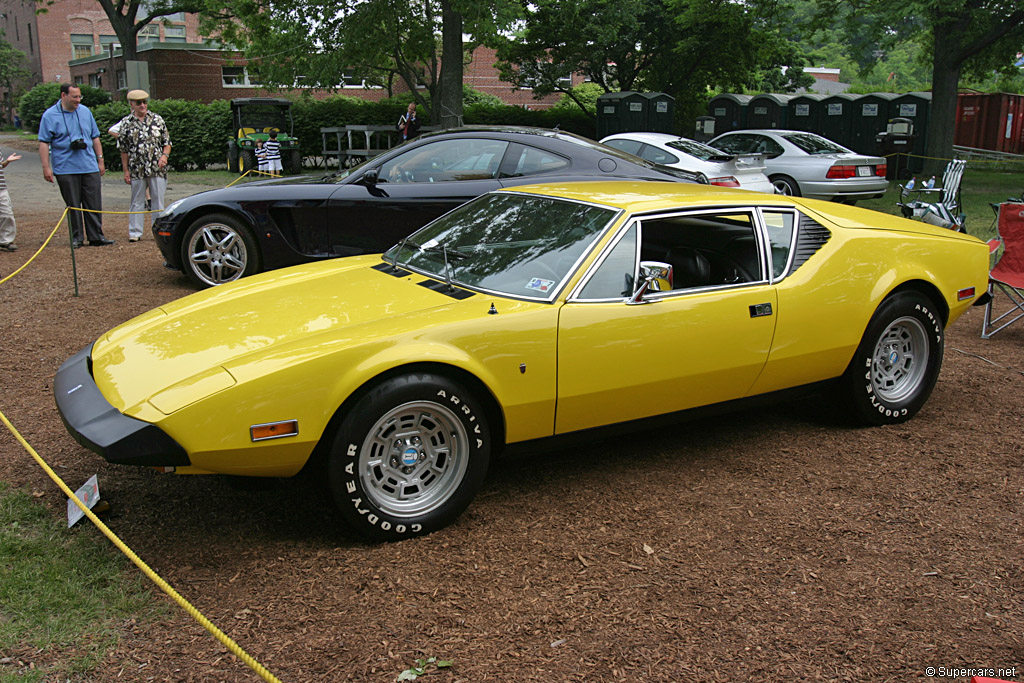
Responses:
[992,121]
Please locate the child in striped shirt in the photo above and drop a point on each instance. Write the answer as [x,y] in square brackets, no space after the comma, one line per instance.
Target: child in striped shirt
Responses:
[273,148]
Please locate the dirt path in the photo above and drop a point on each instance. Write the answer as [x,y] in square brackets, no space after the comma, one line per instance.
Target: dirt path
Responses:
[770,545]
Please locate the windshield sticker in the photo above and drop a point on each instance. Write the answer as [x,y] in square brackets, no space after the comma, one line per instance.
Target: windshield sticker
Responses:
[540,284]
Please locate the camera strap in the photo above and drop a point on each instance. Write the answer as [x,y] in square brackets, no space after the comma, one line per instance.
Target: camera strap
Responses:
[78,120]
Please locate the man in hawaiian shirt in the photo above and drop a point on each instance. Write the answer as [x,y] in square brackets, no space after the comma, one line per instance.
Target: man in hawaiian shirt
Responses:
[145,145]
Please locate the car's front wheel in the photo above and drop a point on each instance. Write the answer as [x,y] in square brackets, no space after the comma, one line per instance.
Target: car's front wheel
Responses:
[785,185]
[409,456]
[895,367]
[219,248]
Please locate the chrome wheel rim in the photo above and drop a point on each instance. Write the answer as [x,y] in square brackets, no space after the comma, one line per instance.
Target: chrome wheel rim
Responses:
[782,187]
[414,459]
[900,360]
[217,254]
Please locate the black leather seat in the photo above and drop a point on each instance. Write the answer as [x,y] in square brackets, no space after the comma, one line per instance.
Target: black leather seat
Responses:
[689,268]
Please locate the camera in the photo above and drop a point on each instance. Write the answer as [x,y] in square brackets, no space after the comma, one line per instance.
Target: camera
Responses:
[78,144]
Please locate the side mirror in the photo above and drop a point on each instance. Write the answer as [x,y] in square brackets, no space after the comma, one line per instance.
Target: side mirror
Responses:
[370,176]
[655,276]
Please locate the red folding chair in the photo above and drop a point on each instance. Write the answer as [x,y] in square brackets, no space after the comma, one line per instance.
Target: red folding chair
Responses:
[1008,274]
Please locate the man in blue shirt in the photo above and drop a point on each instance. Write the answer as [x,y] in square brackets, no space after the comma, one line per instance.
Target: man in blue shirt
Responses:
[71,154]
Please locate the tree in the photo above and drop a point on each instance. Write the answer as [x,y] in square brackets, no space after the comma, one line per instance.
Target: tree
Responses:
[681,47]
[418,43]
[960,37]
[14,71]
[128,17]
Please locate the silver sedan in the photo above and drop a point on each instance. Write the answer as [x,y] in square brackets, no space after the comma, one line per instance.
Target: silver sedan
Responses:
[807,165]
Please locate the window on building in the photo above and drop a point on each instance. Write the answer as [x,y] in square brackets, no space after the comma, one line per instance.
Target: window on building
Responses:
[174,34]
[108,44]
[81,45]
[150,33]
[237,77]
[31,47]
[96,80]
[79,80]
[122,79]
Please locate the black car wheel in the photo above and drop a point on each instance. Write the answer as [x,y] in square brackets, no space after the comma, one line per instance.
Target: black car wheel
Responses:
[895,367]
[409,456]
[785,185]
[218,249]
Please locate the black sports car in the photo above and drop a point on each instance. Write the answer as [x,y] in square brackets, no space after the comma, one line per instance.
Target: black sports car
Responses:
[222,235]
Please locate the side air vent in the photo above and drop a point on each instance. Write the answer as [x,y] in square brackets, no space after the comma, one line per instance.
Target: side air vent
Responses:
[811,237]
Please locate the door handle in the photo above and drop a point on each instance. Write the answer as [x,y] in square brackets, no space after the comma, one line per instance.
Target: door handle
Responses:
[760,310]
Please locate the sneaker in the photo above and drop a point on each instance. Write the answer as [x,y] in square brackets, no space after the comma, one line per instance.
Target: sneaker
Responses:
[134,239]
[10,246]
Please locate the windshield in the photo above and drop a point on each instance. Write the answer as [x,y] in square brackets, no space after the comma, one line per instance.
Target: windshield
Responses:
[815,144]
[521,245]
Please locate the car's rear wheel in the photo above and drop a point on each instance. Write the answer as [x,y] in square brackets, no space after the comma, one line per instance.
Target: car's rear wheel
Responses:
[895,367]
[785,185]
[409,456]
[219,248]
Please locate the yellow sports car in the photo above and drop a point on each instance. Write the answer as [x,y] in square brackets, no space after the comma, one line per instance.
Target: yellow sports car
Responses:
[523,315]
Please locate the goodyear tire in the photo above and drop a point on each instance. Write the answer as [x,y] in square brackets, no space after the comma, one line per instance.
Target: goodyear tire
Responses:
[232,156]
[895,367]
[247,161]
[409,456]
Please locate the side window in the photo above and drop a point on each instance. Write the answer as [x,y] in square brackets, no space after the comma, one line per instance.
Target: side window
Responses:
[445,161]
[770,146]
[736,144]
[613,279]
[627,146]
[525,161]
[780,239]
[658,156]
[703,250]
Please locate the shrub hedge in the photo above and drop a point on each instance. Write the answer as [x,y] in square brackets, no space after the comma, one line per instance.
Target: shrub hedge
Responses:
[199,132]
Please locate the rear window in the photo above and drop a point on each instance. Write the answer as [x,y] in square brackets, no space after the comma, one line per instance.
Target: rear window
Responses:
[814,144]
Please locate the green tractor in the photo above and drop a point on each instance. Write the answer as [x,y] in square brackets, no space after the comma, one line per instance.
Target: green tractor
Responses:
[254,118]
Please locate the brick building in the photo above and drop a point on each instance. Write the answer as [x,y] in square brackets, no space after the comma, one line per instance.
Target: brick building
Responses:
[73,41]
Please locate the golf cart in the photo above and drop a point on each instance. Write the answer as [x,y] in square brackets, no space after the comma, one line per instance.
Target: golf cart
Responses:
[254,118]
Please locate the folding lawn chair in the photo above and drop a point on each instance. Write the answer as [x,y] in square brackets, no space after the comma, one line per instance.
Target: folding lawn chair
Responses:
[1008,274]
[946,211]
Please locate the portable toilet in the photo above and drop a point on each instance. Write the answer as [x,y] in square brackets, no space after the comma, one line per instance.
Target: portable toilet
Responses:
[869,118]
[621,112]
[705,128]
[806,112]
[837,122]
[915,106]
[660,108]
[769,110]
[730,112]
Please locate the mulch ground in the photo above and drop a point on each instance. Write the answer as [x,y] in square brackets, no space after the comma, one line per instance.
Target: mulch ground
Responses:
[767,545]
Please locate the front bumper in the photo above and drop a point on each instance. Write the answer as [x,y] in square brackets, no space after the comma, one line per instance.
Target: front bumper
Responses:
[100,427]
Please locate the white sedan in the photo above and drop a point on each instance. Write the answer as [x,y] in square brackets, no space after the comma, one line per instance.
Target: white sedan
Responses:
[746,171]
[804,164]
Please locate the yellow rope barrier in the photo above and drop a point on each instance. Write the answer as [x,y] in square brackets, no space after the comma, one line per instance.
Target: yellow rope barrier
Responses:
[225,640]
[39,250]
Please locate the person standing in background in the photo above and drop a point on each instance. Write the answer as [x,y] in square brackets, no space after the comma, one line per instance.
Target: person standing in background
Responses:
[272,148]
[8,227]
[408,125]
[145,146]
[77,165]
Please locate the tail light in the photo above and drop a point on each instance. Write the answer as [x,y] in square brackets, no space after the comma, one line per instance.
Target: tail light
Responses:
[881,170]
[839,171]
[725,181]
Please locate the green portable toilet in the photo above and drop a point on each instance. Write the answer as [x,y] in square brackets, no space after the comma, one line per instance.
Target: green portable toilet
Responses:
[915,106]
[660,110]
[769,110]
[621,112]
[806,112]
[869,119]
[730,112]
[837,124]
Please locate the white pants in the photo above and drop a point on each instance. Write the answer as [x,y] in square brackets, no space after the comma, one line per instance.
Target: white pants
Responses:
[8,228]
[137,221]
